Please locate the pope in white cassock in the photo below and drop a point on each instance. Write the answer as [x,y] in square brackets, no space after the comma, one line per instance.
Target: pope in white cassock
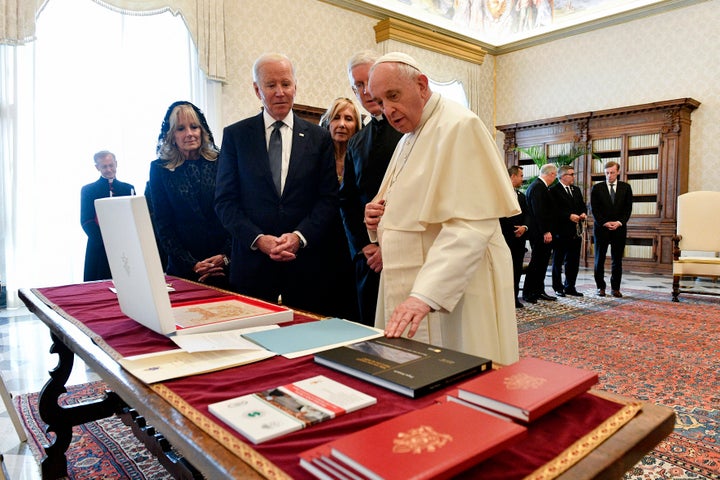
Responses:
[447,271]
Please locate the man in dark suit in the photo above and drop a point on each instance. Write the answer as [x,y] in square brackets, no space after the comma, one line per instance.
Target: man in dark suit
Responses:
[611,205]
[540,209]
[368,154]
[96,262]
[277,195]
[570,215]
[515,231]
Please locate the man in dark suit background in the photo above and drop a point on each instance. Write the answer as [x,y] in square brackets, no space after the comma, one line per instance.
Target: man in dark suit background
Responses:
[611,205]
[515,231]
[540,208]
[96,262]
[570,214]
[277,195]
[368,154]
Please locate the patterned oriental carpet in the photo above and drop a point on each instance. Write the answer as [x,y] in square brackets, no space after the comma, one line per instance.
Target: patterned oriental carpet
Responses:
[646,347]
[105,448]
[642,346]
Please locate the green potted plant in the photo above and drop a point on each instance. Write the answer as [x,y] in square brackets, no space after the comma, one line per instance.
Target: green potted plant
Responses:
[538,154]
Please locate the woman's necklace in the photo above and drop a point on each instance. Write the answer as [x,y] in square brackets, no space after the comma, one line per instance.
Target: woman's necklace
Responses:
[340,167]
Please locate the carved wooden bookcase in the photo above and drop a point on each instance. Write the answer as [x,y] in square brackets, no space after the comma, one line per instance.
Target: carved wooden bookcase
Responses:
[651,142]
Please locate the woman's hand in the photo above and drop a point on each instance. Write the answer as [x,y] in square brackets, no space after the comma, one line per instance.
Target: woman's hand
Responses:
[210,267]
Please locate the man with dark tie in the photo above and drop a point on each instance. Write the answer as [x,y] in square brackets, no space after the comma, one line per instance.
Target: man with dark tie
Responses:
[540,208]
[96,262]
[368,154]
[611,205]
[570,215]
[515,230]
[277,195]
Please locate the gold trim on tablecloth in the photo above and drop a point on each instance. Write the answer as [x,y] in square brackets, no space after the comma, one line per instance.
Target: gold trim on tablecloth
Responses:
[569,457]
[583,446]
[97,339]
[244,451]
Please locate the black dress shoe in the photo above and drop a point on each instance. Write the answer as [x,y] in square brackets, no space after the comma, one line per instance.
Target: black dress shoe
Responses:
[601,292]
[616,294]
[559,293]
[530,299]
[545,296]
[574,293]
[518,304]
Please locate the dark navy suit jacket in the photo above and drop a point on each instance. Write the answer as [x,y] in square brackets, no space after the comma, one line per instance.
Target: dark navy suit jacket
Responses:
[565,205]
[604,210]
[96,262]
[320,278]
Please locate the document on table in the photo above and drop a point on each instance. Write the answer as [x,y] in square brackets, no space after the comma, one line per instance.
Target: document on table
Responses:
[157,367]
[227,340]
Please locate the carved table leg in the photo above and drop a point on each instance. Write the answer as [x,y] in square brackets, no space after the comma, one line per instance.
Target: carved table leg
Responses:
[675,288]
[61,419]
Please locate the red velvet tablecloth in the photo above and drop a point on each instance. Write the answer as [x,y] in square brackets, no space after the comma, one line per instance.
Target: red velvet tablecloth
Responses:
[94,308]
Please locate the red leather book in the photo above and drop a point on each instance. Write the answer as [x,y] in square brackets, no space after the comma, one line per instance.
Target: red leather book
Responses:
[528,388]
[435,442]
[319,462]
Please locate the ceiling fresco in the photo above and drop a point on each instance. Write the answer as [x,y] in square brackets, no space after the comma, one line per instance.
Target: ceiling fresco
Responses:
[502,22]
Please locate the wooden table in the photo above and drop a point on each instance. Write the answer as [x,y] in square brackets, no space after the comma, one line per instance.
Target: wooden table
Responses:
[608,461]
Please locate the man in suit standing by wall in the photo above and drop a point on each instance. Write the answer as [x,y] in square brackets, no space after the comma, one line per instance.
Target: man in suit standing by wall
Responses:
[515,231]
[277,195]
[367,158]
[96,262]
[570,214]
[611,205]
[540,208]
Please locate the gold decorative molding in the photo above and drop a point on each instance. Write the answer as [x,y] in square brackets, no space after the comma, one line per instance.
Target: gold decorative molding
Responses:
[393,29]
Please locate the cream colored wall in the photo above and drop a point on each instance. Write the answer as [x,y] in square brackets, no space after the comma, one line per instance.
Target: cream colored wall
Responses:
[319,38]
[663,57]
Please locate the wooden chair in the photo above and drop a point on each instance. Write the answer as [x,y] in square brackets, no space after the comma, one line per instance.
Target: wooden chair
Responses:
[12,412]
[696,245]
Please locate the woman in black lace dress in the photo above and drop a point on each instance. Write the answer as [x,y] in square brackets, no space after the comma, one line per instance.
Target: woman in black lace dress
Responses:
[182,187]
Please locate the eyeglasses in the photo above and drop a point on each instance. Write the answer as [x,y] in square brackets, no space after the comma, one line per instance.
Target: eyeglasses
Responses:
[568,174]
[359,87]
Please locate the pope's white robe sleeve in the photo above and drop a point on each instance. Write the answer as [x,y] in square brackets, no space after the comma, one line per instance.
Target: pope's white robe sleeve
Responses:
[453,258]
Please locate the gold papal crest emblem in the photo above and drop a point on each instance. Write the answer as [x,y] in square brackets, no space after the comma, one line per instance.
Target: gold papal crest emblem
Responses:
[523,381]
[419,440]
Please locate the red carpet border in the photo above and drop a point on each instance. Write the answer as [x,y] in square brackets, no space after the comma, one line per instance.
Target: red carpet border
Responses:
[646,347]
[105,448]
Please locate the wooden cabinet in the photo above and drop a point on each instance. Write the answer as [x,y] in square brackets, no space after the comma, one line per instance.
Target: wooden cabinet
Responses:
[651,142]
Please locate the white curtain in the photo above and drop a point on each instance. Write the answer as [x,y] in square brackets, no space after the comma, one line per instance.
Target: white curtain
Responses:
[80,87]
[204,18]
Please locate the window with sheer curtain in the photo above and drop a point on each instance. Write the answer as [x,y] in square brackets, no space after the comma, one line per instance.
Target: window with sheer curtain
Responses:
[94,79]
[453,90]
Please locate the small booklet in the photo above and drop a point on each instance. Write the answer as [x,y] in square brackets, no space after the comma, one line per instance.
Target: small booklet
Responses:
[528,388]
[265,415]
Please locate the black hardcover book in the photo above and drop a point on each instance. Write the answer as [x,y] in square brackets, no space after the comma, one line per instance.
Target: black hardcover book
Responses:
[403,365]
